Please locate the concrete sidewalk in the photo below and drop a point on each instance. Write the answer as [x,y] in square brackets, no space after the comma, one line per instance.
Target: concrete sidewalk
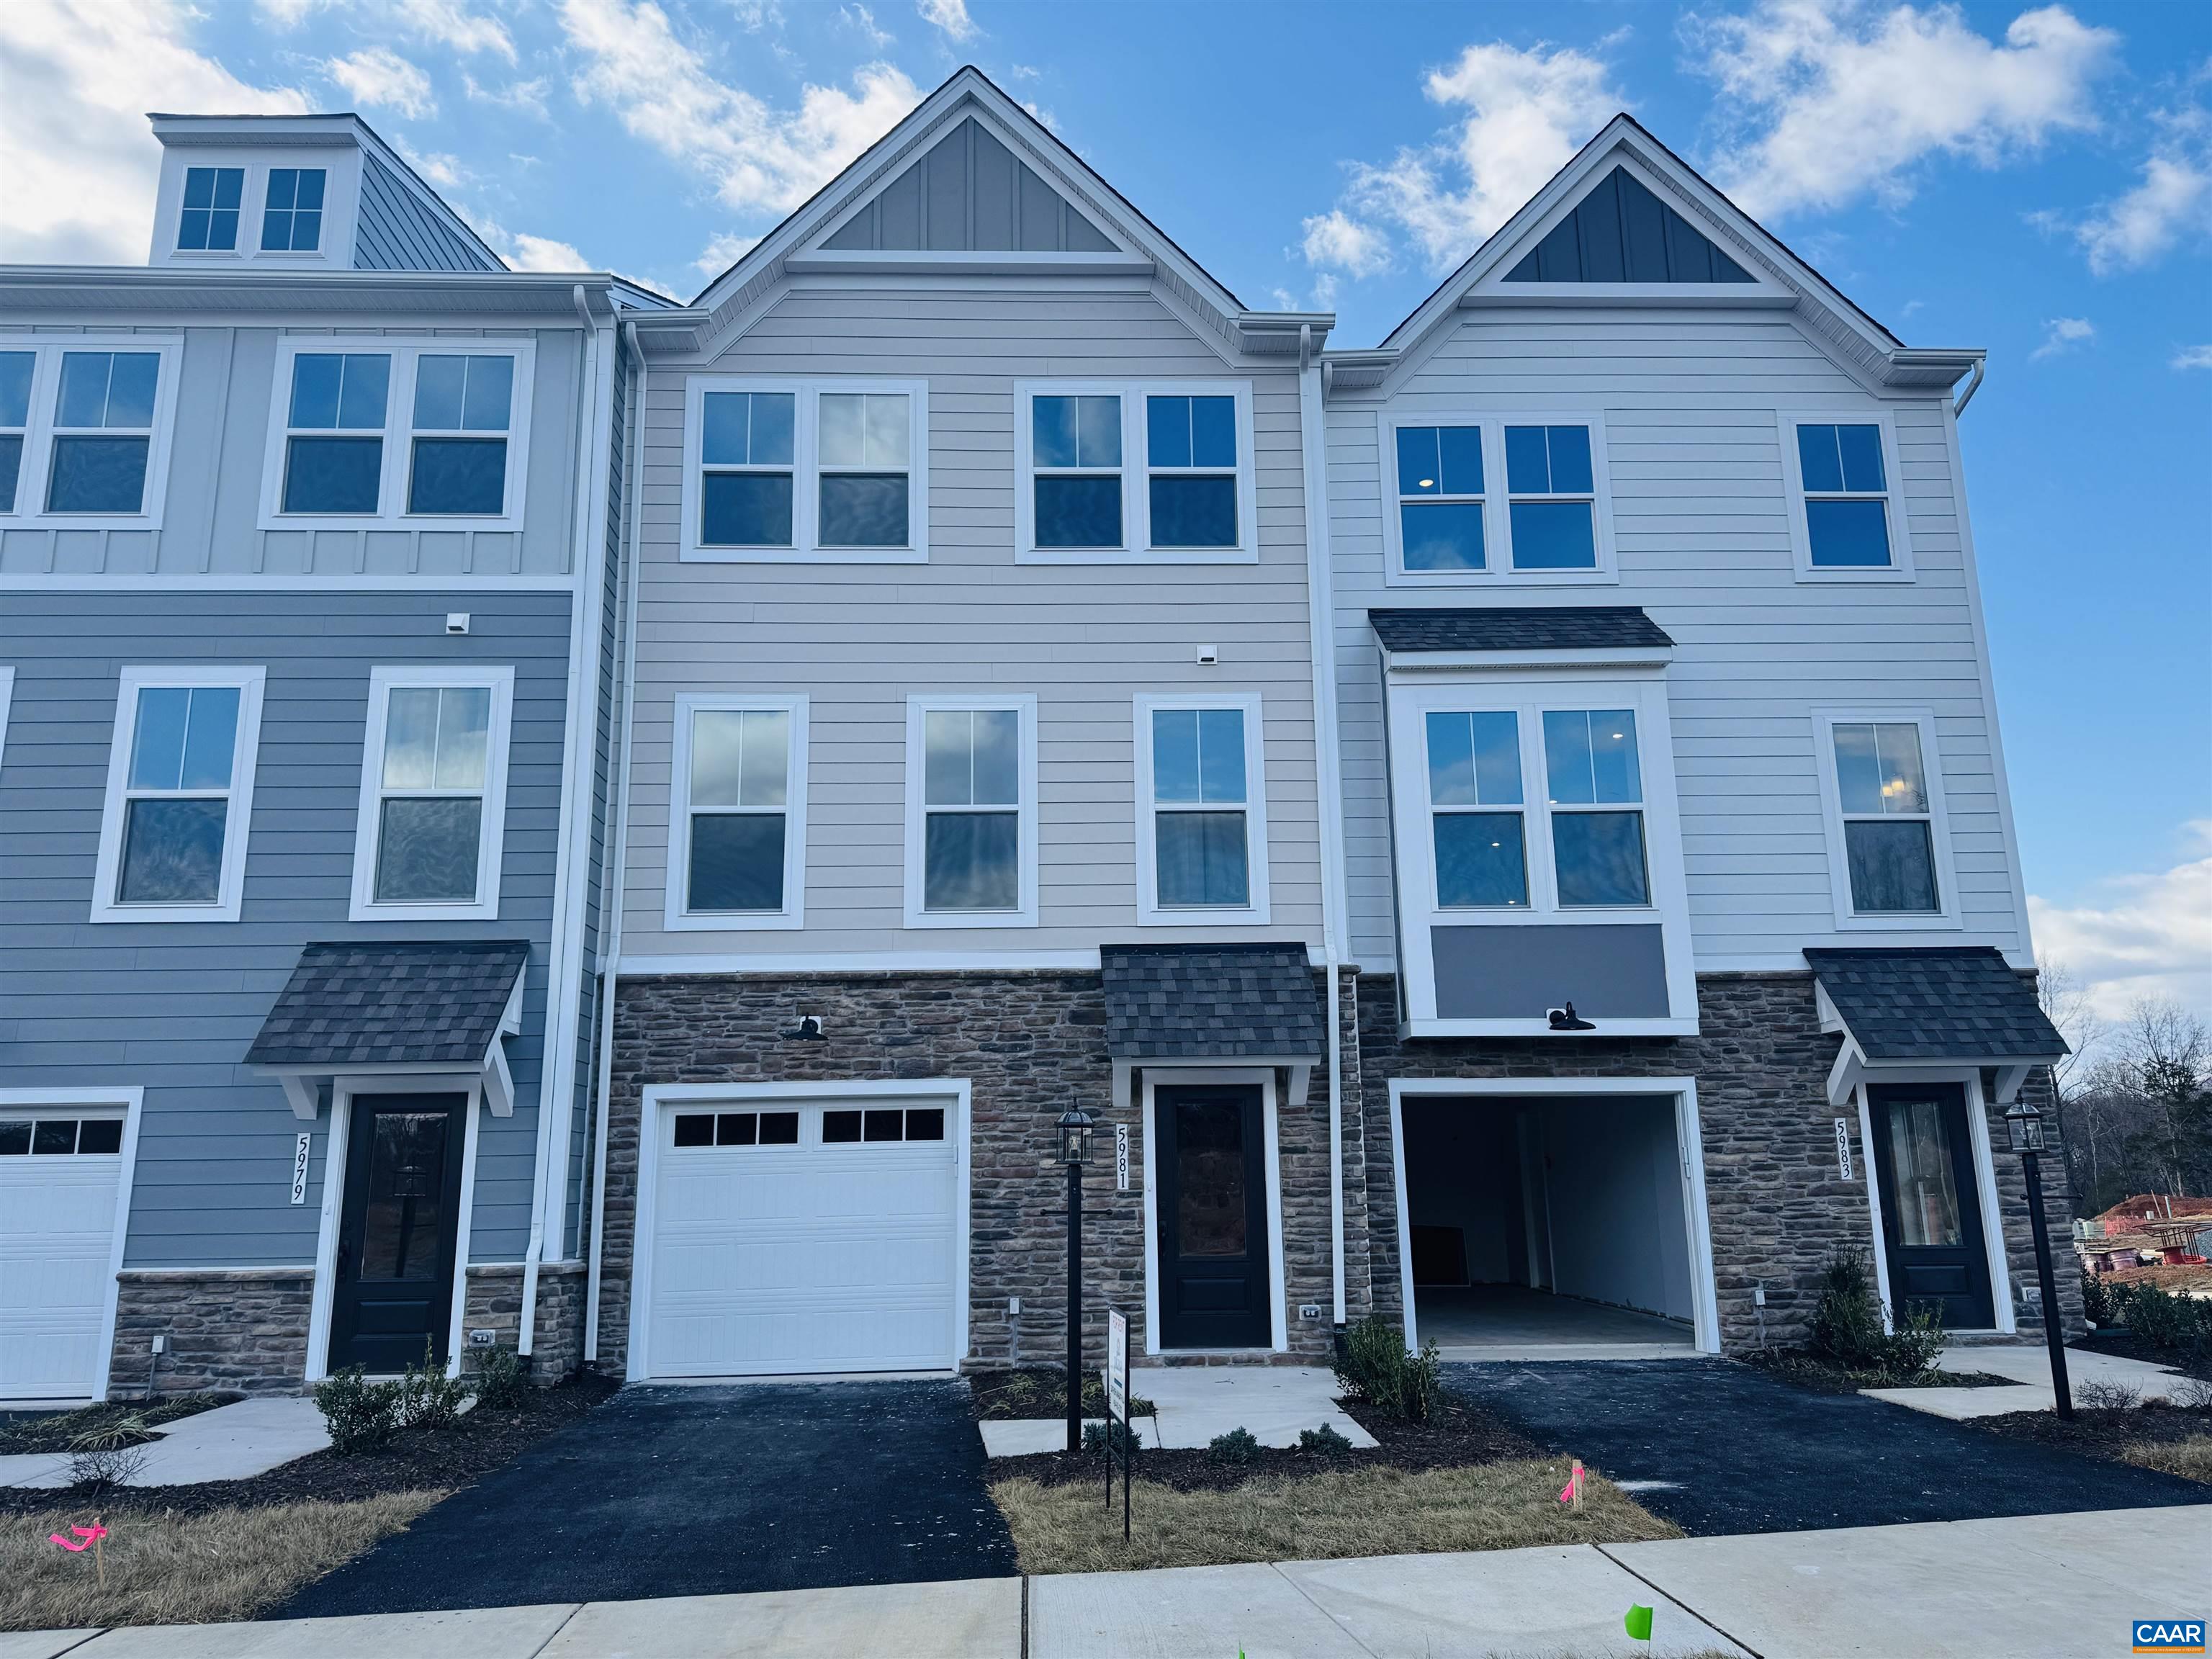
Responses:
[2030,1370]
[2054,1586]
[230,1442]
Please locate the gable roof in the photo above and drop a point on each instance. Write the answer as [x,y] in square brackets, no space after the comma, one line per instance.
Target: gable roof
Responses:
[424,1002]
[1949,1002]
[1210,1001]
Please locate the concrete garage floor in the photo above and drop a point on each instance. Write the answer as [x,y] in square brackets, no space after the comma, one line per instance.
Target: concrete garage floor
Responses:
[703,1492]
[1511,1321]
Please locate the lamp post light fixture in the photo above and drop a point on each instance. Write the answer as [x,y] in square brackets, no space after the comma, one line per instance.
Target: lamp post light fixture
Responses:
[1075,1133]
[2024,1128]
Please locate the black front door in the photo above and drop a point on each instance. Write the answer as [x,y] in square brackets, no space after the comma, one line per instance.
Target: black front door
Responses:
[1212,1216]
[394,1285]
[1931,1206]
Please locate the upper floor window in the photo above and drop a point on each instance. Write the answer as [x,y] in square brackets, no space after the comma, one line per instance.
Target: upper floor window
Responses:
[85,428]
[1890,850]
[1552,493]
[1201,815]
[1440,497]
[209,222]
[1475,809]
[1845,519]
[737,853]
[179,795]
[103,432]
[971,815]
[462,407]
[334,437]
[16,369]
[432,793]
[788,470]
[1596,795]
[1081,497]
[291,212]
[1497,500]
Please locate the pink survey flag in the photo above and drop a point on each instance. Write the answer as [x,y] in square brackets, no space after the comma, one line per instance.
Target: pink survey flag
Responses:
[86,1537]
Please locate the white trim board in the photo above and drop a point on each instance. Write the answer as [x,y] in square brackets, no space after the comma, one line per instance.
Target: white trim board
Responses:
[1204,1076]
[2002,1308]
[1689,1149]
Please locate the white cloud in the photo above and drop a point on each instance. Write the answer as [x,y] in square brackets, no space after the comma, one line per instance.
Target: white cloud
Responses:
[2173,200]
[438,167]
[543,253]
[449,24]
[2193,357]
[79,160]
[1336,239]
[725,250]
[2063,334]
[758,158]
[1841,98]
[284,13]
[1526,114]
[528,96]
[2140,936]
[951,15]
[864,21]
[377,77]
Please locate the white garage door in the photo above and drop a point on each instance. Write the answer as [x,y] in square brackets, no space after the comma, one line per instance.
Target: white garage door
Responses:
[59,1177]
[819,1238]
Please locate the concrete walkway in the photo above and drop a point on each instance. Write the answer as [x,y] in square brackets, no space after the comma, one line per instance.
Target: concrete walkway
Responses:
[2031,1367]
[1197,1403]
[2055,1586]
[231,1443]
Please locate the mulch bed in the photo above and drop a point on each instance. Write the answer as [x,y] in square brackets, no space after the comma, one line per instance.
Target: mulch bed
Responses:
[2120,1340]
[1033,1391]
[1458,1436]
[54,1431]
[1807,1371]
[416,1460]
[2101,1433]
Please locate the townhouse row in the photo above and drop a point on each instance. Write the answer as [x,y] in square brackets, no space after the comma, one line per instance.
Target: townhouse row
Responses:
[533,814]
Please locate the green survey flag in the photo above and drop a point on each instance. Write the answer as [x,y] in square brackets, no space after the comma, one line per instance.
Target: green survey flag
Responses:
[1638,1623]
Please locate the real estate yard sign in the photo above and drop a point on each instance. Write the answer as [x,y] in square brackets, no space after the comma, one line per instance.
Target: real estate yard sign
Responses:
[1117,1411]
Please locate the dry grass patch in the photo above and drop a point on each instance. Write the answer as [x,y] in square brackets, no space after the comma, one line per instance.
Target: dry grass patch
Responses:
[2191,1459]
[1352,1512]
[185,1569]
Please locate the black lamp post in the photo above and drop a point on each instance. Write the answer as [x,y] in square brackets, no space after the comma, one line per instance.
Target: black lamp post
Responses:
[1075,1152]
[2024,1125]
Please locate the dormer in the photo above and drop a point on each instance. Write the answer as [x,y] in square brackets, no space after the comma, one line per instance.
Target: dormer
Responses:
[299,192]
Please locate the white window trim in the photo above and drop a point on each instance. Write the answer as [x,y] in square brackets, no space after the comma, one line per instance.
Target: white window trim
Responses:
[1526,692]
[174,221]
[1497,519]
[1136,493]
[1025,914]
[679,919]
[39,436]
[341,208]
[238,822]
[382,682]
[1256,912]
[1900,568]
[7,703]
[1825,722]
[398,432]
[806,474]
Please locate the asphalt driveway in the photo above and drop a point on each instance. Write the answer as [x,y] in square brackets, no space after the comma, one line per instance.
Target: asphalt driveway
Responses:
[703,1492]
[1730,1451]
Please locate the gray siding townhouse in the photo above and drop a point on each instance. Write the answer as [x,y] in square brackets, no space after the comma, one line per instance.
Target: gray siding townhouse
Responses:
[305,670]
[1678,855]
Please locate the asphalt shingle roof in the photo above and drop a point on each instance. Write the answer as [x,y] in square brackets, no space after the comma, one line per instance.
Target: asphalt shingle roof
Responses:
[1210,1001]
[434,1002]
[1518,627]
[1952,1002]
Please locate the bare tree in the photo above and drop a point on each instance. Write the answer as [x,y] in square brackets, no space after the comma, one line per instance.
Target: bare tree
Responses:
[2168,1053]
[2084,1117]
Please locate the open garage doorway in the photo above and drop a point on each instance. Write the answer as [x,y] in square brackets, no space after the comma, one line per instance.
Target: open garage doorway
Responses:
[1547,1222]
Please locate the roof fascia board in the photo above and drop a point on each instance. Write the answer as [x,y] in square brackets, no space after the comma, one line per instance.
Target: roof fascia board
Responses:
[99,289]
[862,263]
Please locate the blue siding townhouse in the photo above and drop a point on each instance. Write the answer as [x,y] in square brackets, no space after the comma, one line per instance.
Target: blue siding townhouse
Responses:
[305,637]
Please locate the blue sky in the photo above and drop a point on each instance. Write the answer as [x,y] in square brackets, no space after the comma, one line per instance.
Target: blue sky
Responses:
[2038,181]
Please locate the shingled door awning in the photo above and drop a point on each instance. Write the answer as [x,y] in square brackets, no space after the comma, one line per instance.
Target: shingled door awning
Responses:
[1211,1004]
[1490,633]
[1903,1013]
[421,1009]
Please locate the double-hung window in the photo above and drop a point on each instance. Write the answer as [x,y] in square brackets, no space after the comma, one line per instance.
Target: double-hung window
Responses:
[1594,793]
[207,222]
[1496,500]
[1550,492]
[1440,498]
[971,815]
[1846,518]
[432,793]
[1889,848]
[798,470]
[292,211]
[103,432]
[1201,810]
[736,852]
[17,370]
[179,795]
[334,432]
[1477,823]
[1116,473]
[85,425]
[463,405]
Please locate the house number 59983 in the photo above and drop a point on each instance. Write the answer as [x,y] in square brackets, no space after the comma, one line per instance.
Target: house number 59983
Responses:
[1844,1148]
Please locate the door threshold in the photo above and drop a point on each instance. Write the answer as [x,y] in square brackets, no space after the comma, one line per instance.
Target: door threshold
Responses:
[1481,1352]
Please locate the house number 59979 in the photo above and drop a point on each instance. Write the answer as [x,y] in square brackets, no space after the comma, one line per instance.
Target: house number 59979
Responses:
[299,1169]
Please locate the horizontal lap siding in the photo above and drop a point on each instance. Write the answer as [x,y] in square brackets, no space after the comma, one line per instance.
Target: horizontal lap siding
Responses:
[1702,533]
[172,1007]
[1086,640]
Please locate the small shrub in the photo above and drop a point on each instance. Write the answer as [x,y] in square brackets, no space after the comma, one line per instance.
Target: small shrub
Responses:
[1095,1437]
[428,1398]
[2192,1393]
[1919,1339]
[1325,1440]
[1847,1324]
[2102,1306]
[361,1416]
[1372,1364]
[2102,1396]
[2178,1324]
[502,1379]
[1237,1446]
[100,1460]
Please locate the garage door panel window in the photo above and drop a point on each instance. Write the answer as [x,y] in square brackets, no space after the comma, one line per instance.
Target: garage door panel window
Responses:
[172,838]
[878,1123]
[737,1130]
[60,1137]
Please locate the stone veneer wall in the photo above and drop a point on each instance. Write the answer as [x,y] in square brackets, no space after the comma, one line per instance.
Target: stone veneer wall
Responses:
[1775,1204]
[494,1303]
[1030,1044]
[243,1328]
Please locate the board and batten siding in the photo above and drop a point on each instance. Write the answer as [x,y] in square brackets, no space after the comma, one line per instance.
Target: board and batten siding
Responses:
[858,640]
[173,1007]
[1690,402]
[226,396]
[395,231]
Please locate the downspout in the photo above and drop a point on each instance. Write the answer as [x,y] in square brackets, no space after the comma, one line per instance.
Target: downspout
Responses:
[559,1003]
[617,845]
[1321,630]
[1967,396]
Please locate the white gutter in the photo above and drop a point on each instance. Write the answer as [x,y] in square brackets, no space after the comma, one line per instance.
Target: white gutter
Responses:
[617,845]
[1322,628]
